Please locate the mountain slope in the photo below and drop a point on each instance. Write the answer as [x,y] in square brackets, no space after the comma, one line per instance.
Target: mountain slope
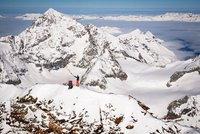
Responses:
[185,111]
[53,108]
[145,47]
[11,67]
[55,41]
[50,40]
[192,67]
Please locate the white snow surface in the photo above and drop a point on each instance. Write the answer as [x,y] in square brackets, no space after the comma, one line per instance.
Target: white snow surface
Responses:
[94,103]
[147,64]
[8,92]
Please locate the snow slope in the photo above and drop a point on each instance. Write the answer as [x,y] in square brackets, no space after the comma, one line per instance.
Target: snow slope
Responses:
[8,92]
[55,108]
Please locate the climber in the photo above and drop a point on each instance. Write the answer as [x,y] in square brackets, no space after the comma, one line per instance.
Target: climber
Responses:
[70,84]
[77,81]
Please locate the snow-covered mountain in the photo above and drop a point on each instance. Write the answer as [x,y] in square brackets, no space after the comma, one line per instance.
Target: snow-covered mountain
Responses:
[56,41]
[35,64]
[145,47]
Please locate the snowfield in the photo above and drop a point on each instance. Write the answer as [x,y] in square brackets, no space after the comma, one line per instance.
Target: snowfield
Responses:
[129,84]
[116,113]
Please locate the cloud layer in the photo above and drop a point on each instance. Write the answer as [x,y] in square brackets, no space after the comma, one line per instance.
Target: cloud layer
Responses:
[180,17]
[111,30]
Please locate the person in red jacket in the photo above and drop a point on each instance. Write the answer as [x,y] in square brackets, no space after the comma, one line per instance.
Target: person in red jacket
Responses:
[70,84]
[77,81]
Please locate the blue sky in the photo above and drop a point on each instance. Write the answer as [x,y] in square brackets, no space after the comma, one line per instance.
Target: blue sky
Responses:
[186,4]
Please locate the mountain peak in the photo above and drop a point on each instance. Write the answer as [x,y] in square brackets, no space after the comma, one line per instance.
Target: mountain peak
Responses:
[52,12]
[136,31]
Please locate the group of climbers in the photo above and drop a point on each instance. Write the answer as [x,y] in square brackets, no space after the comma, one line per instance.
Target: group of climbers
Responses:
[70,83]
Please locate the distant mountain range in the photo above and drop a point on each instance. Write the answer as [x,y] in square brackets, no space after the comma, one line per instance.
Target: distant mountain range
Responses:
[181,17]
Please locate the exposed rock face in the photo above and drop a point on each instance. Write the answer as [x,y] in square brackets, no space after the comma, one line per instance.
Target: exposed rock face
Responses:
[179,74]
[10,71]
[36,112]
[185,111]
[92,51]
[30,115]
[106,66]
[193,66]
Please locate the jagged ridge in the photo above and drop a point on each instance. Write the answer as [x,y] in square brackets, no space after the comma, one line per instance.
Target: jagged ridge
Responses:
[55,41]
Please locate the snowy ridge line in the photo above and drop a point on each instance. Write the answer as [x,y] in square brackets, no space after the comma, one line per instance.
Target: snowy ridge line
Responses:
[182,17]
